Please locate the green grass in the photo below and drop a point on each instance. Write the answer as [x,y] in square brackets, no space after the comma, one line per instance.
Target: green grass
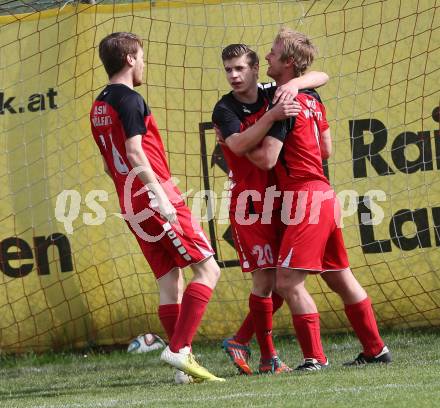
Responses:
[116,379]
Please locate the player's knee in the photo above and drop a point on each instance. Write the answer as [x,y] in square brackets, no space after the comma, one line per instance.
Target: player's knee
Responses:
[289,289]
[262,291]
[169,295]
[283,282]
[215,271]
[282,287]
[340,282]
[171,286]
[263,283]
[207,272]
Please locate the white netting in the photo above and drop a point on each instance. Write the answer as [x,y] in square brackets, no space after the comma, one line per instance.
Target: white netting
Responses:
[382,101]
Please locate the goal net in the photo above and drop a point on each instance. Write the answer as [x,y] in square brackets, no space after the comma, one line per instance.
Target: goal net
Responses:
[71,274]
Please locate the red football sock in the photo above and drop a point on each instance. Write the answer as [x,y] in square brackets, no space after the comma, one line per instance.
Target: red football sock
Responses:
[247,329]
[261,311]
[168,315]
[277,301]
[194,302]
[308,333]
[361,316]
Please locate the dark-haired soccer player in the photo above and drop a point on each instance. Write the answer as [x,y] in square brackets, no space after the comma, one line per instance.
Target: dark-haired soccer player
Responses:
[170,239]
[312,241]
[253,193]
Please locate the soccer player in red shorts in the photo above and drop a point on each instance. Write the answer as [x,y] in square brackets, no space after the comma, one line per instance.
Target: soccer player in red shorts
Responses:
[170,239]
[254,209]
[312,241]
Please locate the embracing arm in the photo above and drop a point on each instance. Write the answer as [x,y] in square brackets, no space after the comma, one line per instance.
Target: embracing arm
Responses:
[266,156]
[312,79]
[241,143]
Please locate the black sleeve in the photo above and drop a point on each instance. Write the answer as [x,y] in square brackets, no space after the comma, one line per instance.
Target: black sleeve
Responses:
[280,129]
[269,89]
[226,120]
[132,112]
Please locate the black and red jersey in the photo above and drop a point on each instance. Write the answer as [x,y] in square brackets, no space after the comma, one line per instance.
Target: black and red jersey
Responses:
[300,159]
[232,116]
[117,114]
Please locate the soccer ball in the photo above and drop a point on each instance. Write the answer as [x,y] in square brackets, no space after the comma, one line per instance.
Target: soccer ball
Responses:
[145,343]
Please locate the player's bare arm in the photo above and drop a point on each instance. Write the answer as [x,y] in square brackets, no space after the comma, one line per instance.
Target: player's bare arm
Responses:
[241,143]
[326,144]
[137,158]
[266,156]
[312,79]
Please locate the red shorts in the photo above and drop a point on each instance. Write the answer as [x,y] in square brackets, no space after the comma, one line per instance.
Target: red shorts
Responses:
[313,241]
[257,244]
[167,246]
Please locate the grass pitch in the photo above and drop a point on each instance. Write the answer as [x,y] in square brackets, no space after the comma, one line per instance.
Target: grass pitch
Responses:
[80,380]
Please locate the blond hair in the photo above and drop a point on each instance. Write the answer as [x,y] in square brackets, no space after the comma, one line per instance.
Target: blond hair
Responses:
[297,46]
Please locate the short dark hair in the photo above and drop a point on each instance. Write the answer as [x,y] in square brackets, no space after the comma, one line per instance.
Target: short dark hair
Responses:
[238,50]
[114,48]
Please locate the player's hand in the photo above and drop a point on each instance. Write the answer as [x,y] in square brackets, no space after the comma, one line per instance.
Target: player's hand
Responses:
[286,92]
[167,211]
[285,109]
[219,136]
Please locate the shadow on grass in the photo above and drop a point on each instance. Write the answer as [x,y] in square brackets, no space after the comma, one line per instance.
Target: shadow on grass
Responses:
[67,390]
